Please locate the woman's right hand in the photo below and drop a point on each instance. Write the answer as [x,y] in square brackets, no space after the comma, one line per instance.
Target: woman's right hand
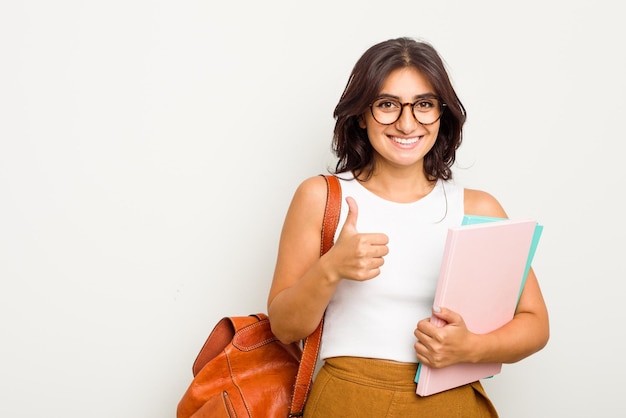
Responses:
[357,256]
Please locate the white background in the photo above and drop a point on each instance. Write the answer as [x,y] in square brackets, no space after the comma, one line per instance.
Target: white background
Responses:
[149,151]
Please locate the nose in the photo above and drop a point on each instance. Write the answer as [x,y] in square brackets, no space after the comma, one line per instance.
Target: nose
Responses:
[406,122]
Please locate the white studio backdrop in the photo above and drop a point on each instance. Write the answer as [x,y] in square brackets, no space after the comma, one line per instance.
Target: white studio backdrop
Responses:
[149,151]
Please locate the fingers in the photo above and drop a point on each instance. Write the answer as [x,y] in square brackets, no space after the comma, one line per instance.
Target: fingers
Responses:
[350,225]
[361,253]
[442,316]
[444,343]
[428,346]
[353,214]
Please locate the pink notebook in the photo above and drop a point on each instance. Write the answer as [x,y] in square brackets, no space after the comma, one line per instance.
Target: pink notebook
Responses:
[481,272]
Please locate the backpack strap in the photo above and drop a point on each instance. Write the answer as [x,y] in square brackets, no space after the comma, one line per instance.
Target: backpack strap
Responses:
[311,346]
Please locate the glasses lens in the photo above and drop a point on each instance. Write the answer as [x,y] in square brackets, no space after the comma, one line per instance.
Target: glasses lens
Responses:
[387,111]
[427,111]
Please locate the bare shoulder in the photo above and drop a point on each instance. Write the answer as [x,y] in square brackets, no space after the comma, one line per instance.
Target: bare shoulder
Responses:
[309,200]
[479,202]
[312,192]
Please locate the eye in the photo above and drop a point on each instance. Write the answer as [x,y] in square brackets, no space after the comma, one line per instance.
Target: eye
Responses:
[426,105]
[387,105]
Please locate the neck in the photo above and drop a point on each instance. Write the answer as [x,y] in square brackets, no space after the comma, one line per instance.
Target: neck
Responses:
[399,187]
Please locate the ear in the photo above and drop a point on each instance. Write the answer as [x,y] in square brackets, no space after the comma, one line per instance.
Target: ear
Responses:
[362,124]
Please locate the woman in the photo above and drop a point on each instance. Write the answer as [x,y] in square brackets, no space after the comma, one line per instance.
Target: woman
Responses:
[398,126]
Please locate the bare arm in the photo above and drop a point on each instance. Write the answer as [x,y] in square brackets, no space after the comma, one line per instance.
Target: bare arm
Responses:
[301,287]
[527,333]
[304,282]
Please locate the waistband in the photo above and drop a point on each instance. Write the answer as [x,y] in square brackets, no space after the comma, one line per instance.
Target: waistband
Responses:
[384,374]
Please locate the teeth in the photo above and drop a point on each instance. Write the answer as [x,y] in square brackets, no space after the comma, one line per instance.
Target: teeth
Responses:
[405,141]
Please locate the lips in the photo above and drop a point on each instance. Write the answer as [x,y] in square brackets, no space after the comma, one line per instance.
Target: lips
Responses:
[405,141]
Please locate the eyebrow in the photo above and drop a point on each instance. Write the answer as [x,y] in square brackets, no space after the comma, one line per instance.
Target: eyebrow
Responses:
[418,97]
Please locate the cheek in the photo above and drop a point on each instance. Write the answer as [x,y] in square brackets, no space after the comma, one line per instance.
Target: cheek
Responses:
[436,131]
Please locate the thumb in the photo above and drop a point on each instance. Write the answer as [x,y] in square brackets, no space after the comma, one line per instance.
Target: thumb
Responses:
[353,214]
[446,315]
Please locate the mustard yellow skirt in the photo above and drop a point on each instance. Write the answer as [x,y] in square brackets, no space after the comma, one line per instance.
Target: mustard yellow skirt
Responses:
[349,387]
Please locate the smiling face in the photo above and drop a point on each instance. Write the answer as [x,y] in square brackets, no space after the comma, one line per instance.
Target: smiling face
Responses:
[402,144]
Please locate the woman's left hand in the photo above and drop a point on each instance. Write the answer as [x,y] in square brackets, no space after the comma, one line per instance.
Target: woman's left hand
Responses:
[440,346]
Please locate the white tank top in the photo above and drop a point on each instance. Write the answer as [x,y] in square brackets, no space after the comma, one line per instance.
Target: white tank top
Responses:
[376,318]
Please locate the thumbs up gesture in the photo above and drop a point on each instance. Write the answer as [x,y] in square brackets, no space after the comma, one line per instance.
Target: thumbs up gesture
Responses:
[358,256]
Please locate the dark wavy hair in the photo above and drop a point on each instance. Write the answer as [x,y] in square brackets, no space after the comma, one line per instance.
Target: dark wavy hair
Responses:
[351,143]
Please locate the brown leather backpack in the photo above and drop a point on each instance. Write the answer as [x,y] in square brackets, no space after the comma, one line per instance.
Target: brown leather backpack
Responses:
[243,370]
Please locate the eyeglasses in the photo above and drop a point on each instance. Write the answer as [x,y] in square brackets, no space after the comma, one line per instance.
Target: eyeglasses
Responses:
[426,111]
